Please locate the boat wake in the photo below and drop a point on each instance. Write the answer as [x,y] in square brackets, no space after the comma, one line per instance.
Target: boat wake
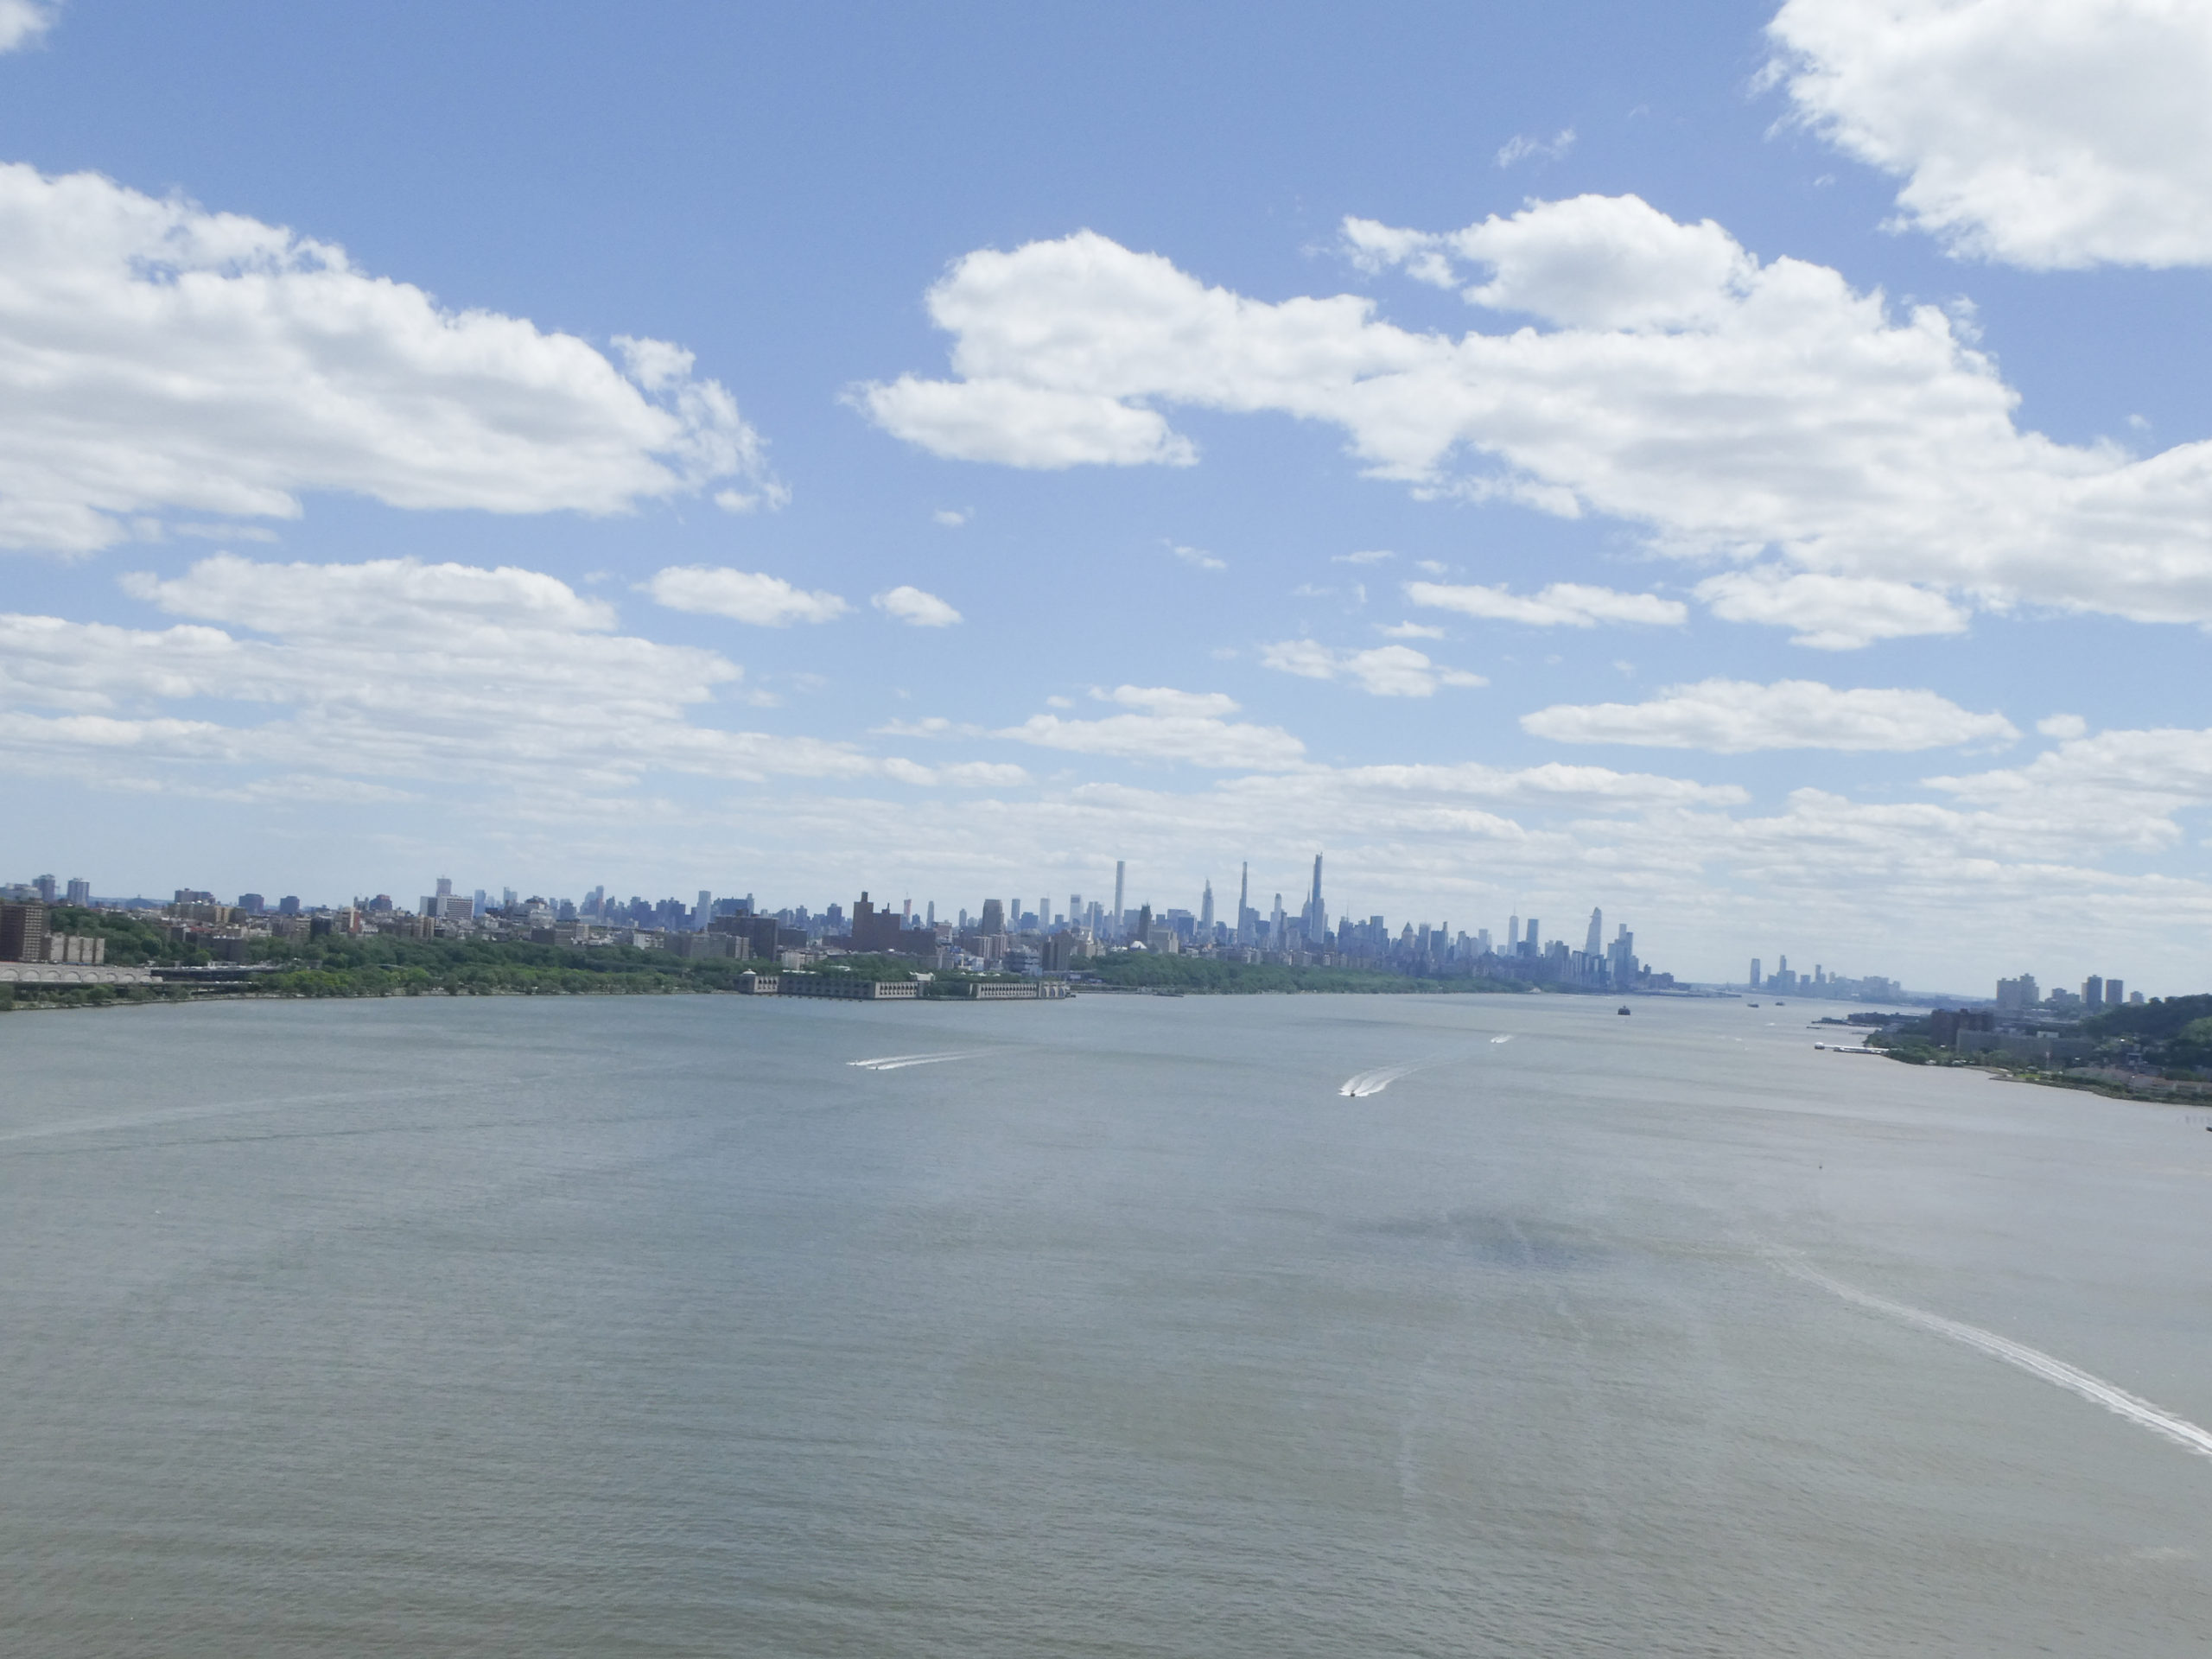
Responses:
[1373,1082]
[2035,1361]
[1506,1039]
[898,1062]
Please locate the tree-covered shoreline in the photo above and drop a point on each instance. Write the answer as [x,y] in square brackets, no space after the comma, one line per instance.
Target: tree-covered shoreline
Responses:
[1210,976]
[379,965]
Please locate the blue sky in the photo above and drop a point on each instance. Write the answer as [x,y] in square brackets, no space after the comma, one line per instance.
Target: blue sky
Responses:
[967,552]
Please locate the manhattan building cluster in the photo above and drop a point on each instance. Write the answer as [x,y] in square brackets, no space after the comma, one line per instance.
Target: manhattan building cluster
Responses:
[1786,981]
[1009,935]
[2024,996]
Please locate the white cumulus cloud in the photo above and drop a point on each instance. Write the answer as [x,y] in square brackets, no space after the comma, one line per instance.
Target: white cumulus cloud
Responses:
[915,609]
[1737,716]
[22,22]
[1563,604]
[320,682]
[2051,134]
[743,595]
[1830,613]
[157,357]
[1735,408]
[1385,671]
[1193,728]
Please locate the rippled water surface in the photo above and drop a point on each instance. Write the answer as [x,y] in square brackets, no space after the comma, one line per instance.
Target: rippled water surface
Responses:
[657,1325]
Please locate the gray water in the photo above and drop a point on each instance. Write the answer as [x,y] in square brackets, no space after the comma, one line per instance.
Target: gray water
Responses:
[655,1326]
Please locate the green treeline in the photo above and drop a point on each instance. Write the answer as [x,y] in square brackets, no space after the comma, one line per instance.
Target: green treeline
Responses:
[384,965]
[2176,1030]
[1205,975]
[381,965]
[132,939]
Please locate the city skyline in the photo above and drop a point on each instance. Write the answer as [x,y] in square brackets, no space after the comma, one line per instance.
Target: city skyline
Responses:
[1273,929]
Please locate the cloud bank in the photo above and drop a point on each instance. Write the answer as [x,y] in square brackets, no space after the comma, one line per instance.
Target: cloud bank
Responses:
[2051,133]
[156,357]
[1762,413]
[390,675]
[1737,716]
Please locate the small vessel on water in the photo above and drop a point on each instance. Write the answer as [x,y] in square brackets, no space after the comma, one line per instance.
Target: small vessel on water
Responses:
[1623,1008]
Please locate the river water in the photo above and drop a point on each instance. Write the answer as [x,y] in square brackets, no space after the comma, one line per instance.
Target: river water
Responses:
[656,1325]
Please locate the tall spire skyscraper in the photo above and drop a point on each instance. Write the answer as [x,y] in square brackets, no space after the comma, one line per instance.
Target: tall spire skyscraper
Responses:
[1120,873]
[1317,919]
[1205,910]
[1245,906]
[1596,945]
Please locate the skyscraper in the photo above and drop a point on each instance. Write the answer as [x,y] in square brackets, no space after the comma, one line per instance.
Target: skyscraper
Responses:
[1530,947]
[705,913]
[80,892]
[1755,974]
[1317,918]
[2115,993]
[1121,876]
[1595,944]
[1205,910]
[993,916]
[1244,904]
[2092,991]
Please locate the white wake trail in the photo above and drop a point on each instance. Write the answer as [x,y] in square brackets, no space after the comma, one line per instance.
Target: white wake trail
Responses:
[1373,1082]
[2033,1361]
[1506,1039]
[898,1062]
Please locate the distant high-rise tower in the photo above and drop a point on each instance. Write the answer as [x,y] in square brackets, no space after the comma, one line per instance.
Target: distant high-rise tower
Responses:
[80,892]
[1595,944]
[1513,935]
[1245,906]
[1121,876]
[1531,947]
[1205,910]
[705,913]
[2092,991]
[1754,973]
[2115,993]
[1317,918]
[993,916]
